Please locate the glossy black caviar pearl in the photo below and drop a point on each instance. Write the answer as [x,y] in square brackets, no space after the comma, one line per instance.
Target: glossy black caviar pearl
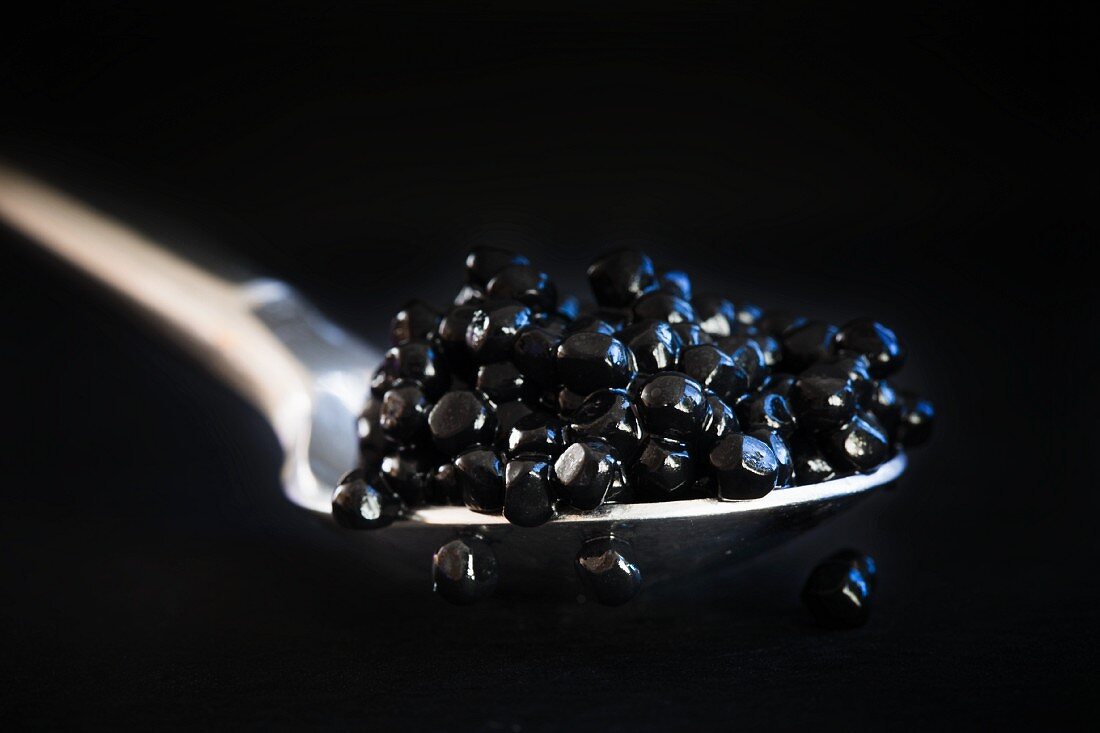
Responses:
[743,466]
[918,417]
[535,354]
[589,324]
[810,466]
[404,413]
[460,420]
[508,414]
[483,263]
[664,469]
[748,314]
[675,282]
[618,278]
[372,441]
[587,362]
[480,475]
[417,321]
[768,345]
[655,346]
[751,360]
[775,322]
[853,367]
[451,336]
[715,370]
[567,402]
[361,504]
[719,422]
[766,410]
[779,384]
[886,405]
[469,295]
[691,334]
[822,402]
[838,595]
[784,460]
[526,284]
[806,343]
[539,432]
[862,562]
[527,500]
[673,405]
[494,328]
[464,571]
[607,572]
[716,315]
[609,414]
[417,360]
[879,344]
[406,470]
[501,381]
[442,487]
[663,307]
[588,473]
[860,445]
[569,308]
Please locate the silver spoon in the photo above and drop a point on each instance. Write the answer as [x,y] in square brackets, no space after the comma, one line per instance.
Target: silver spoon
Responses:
[308,378]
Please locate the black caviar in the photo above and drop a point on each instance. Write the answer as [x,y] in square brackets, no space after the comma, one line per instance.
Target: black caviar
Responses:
[517,400]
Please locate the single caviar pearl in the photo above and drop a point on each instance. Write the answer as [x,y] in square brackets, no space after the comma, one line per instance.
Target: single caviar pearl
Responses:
[691,335]
[820,403]
[452,338]
[527,500]
[610,415]
[853,367]
[442,487]
[464,571]
[535,354]
[673,405]
[404,413]
[416,321]
[406,470]
[480,476]
[483,263]
[538,432]
[809,342]
[618,278]
[607,572]
[419,361]
[590,361]
[838,595]
[769,411]
[361,504]
[716,315]
[769,347]
[715,370]
[884,351]
[460,420]
[719,422]
[588,473]
[525,284]
[862,562]
[744,467]
[664,469]
[508,414]
[783,458]
[501,382]
[675,282]
[918,417]
[494,328]
[663,307]
[886,405]
[655,346]
[810,466]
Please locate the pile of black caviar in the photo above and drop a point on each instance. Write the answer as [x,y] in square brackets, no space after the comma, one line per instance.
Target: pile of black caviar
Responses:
[515,401]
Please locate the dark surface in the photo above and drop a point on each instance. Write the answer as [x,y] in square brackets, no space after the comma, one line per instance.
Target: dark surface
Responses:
[925,167]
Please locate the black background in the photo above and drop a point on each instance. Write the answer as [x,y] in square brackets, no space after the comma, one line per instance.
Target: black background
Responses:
[928,166]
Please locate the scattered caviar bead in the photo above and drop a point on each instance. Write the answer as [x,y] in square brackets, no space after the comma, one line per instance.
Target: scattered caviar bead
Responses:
[766,410]
[405,471]
[464,571]
[750,358]
[618,278]
[589,324]
[419,361]
[744,467]
[417,321]
[501,381]
[820,403]
[494,328]
[569,307]
[664,307]
[527,500]
[469,295]
[483,263]
[837,595]
[714,369]
[886,405]
[372,441]
[361,504]
[862,562]
[460,420]
[480,476]
[567,402]
[442,487]
[535,353]
[691,334]
[610,415]
[779,384]
[853,367]
[775,322]
[607,572]
[404,413]
[525,284]
[768,345]
[806,343]
[918,417]
[539,432]
[672,405]
[784,460]
[654,344]
[716,315]
[588,473]
[719,421]
[590,361]
[675,282]
[748,314]
[810,467]
[883,349]
[664,469]
[508,414]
